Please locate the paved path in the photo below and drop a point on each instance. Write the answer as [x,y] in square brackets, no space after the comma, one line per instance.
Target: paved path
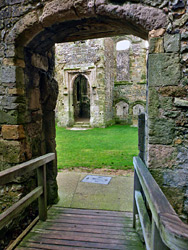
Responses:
[117,195]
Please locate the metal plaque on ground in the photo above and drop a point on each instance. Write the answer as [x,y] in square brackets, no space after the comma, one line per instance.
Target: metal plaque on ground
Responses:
[97,179]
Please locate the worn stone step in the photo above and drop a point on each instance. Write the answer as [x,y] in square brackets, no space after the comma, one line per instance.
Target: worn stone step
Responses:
[81,125]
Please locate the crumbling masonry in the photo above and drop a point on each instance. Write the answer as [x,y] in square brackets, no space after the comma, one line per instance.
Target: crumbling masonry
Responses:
[116,81]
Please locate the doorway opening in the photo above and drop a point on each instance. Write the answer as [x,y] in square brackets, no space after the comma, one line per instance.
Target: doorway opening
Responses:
[81,99]
[104,85]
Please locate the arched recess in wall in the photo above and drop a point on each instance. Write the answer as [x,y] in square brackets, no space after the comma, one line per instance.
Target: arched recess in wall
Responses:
[137,107]
[34,36]
[81,98]
[122,109]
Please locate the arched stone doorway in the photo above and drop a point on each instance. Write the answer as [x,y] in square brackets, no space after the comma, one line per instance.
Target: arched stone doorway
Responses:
[27,56]
[81,99]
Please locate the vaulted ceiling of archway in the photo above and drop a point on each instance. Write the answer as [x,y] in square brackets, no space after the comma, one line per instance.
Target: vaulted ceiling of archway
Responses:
[63,21]
[81,30]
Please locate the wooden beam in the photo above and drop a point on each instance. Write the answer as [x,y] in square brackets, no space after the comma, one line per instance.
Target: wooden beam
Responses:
[156,241]
[173,231]
[42,200]
[144,219]
[137,187]
[15,209]
[9,175]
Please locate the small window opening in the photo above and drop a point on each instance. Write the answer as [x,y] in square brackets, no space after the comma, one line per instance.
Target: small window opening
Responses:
[123,45]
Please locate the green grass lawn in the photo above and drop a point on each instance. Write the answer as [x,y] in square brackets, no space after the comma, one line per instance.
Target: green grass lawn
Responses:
[112,147]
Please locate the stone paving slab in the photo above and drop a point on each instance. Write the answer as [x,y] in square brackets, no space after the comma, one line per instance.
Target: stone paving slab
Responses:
[73,193]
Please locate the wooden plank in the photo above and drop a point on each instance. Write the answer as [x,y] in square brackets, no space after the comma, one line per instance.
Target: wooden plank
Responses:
[70,246]
[42,200]
[10,174]
[67,226]
[172,230]
[90,212]
[102,217]
[88,217]
[91,222]
[79,237]
[57,247]
[15,209]
[27,248]
[53,242]
[71,234]
[144,219]
[137,187]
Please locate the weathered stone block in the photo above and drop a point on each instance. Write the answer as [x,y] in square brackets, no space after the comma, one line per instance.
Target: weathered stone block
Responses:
[5,13]
[176,198]
[11,2]
[163,69]
[182,157]
[153,103]
[172,43]
[156,45]
[166,103]
[161,131]
[16,91]
[184,36]
[13,132]
[8,74]
[10,50]
[175,178]
[2,3]
[39,61]
[11,151]
[161,156]
[157,32]
[8,117]
[34,129]
[181,102]
[34,99]
[174,91]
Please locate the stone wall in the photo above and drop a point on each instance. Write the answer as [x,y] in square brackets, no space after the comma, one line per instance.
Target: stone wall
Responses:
[168,117]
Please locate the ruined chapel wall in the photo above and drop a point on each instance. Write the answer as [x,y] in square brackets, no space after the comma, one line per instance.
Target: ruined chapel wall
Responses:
[87,58]
[130,80]
[120,78]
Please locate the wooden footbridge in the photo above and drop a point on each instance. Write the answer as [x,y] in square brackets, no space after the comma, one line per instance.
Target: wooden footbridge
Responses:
[81,229]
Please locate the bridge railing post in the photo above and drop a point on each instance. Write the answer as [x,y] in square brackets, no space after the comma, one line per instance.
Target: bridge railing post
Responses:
[137,187]
[42,200]
[141,136]
[156,241]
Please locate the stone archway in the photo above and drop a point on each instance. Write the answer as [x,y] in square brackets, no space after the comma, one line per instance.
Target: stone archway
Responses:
[27,63]
[81,98]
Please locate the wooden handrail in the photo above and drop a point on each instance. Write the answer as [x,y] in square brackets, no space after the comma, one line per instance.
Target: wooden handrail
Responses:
[167,230]
[10,174]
